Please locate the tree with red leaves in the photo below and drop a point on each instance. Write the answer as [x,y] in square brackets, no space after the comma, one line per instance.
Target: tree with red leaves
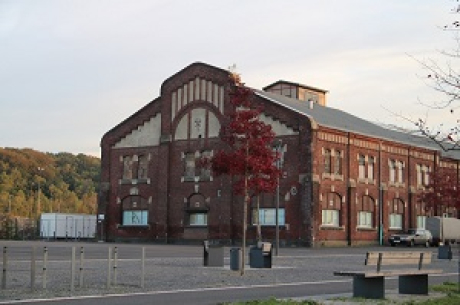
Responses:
[249,157]
[441,194]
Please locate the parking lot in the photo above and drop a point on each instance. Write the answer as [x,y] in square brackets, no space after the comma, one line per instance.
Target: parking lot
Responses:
[171,267]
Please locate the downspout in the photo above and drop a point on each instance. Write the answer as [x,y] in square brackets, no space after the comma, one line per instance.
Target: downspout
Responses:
[349,239]
[410,194]
[380,196]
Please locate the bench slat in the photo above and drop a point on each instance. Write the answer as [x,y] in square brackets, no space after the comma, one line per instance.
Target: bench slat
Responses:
[397,258]
[386,272]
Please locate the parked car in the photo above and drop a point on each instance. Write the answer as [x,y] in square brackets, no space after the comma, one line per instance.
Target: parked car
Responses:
[413,237]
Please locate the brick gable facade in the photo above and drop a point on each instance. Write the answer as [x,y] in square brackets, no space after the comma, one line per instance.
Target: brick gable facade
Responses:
[153,188]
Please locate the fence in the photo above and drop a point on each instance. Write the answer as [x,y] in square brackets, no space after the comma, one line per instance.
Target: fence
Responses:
[44,268]
[19,228]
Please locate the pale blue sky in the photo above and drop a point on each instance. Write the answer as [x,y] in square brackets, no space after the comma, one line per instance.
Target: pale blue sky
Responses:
[71,70]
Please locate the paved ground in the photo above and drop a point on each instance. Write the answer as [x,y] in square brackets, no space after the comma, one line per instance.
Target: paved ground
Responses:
[171,268]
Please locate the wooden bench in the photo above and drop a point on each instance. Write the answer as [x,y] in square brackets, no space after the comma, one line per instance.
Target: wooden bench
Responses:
[371,283]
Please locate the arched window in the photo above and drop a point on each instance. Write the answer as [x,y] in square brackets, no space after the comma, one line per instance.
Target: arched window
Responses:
[331,210]
[396,214]
[134,211]
[366,213]
[197,211]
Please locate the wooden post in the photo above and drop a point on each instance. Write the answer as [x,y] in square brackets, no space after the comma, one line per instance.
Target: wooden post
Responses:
[45,264]
[143,268]
[72,272]
[379,263]
[420,261]
[82,260]
[5,261]
[109,268]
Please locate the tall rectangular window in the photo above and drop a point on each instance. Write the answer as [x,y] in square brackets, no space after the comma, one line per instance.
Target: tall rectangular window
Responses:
[127,167]
[205,166]
[327,161]
[421,222]
[362,167]
[419,174]
[392,167]
[426,175]
[142,167]
[189,173]
[370,168]
[400,167]
[338,163]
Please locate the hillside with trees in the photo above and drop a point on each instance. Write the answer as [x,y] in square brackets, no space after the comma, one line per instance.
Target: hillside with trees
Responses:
[33,182]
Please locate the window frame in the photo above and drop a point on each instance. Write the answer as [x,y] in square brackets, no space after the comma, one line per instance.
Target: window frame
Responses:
[143,219]
[330,218]
[361,166]
[368,218]
[200,219]
[394,219]
[263,218]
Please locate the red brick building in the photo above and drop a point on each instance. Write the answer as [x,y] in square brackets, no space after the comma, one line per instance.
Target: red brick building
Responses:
[345,180]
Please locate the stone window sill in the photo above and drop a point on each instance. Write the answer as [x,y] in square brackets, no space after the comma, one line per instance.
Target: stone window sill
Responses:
[334,228]
[366,229]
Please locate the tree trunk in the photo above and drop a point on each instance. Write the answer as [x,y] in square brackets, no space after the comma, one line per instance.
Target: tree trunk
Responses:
[259,229]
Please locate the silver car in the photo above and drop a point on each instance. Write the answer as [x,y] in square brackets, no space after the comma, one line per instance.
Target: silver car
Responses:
[413,237]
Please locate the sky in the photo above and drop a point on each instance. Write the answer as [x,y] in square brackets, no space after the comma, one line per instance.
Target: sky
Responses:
[70,70]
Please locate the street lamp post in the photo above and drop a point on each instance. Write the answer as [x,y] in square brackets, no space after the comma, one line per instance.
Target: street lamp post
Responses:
[39,191]
[277,228]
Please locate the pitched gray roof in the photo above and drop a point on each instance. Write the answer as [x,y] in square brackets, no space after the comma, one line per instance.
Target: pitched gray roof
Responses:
[338,119]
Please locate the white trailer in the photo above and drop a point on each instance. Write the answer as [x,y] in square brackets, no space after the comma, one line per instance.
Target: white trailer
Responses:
[444,229]
[61,225]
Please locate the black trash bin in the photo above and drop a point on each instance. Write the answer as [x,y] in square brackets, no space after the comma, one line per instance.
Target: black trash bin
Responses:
[260,256]
[235,259]
[445,252]
[213,254]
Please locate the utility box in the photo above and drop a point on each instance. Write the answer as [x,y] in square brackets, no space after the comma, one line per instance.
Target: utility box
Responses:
[213,255]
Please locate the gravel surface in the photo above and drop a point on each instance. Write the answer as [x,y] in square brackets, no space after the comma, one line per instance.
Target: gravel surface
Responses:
[168,271]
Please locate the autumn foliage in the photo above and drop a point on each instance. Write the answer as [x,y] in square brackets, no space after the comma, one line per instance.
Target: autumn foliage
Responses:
[441,194]
[249,157]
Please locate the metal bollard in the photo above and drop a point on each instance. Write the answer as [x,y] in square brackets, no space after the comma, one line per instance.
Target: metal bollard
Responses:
[143,268]
[32,270]
[82,260]
[5,261]
[115,266]
[72,272]
[109,269]
[45,263]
